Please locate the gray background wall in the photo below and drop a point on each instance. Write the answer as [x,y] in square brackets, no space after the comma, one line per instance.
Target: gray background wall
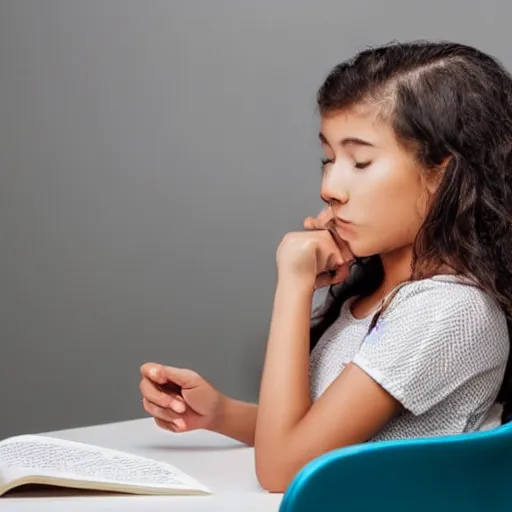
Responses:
[152,155]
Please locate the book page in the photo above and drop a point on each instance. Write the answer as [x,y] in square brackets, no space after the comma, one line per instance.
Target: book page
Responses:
[23,456]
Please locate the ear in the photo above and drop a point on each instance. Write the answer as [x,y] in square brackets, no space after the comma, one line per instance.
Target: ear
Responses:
[436,174]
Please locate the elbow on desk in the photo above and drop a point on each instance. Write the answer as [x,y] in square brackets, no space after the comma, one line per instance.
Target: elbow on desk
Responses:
[272,473]
[272,483]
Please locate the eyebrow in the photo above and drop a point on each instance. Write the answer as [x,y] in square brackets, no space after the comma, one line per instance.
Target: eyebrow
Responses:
[347,141]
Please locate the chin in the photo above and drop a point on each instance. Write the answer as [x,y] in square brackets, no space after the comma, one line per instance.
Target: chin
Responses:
[361,250]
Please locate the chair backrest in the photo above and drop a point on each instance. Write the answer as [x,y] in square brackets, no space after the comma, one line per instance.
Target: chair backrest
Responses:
[465,472]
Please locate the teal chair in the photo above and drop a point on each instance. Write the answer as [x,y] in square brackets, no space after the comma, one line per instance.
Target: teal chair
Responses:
[466,472]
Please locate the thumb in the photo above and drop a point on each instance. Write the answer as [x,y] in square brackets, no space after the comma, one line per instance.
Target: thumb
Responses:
[343,247]
[181,376]
[153,372]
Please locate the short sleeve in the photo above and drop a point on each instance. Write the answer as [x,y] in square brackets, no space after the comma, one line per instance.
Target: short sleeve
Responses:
[431,340]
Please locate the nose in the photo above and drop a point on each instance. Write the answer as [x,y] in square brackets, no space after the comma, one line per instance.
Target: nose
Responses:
[334,188]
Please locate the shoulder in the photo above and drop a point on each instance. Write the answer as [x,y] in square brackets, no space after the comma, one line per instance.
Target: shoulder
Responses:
[435,336]
[449,306]
[446,296]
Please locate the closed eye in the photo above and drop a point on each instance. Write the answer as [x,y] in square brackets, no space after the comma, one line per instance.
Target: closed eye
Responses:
[357,165]
[361,165]
[326,161]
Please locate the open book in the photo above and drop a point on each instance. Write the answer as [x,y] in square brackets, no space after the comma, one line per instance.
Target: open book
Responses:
[34,459]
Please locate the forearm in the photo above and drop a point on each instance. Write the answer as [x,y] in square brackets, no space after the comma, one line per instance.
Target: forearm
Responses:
[237,420]
[284,392]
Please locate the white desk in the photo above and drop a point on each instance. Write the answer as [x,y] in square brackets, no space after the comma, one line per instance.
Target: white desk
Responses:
[225,466]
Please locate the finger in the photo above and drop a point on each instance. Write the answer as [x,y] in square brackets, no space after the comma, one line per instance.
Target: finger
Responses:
[332,277]
[153,371]
[178,404]
[340,274]
[320,221]
[166,425]
[153,393]
[174,426]
[323,280]
[180,425]
[161,413]
[343,247]
[309,223]
[324,217]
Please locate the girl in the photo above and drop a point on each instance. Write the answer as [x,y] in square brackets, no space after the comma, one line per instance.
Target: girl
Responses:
[416,247]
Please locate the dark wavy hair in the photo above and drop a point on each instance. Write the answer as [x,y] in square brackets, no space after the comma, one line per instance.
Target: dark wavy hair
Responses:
[452,103]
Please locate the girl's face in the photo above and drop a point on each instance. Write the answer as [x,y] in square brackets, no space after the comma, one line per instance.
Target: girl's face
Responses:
[374,185]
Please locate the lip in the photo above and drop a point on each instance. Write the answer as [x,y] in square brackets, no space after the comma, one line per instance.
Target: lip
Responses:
[344,226]
[343,222]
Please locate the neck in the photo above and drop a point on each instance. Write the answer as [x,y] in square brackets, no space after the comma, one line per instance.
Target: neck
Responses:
[397,268]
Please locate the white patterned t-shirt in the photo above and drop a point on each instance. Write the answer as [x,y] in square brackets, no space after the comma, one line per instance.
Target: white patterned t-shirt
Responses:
[440,348]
